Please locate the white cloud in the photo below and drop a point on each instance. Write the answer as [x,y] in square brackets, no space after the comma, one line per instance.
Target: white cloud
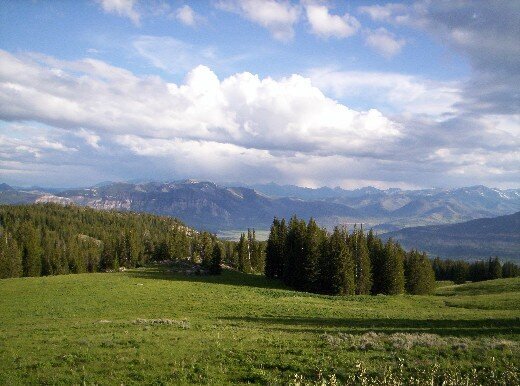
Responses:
[244,127]
[396,93]
[89,137]
[391,12]
[326,25]
[384,42]
[278,16]
[187,16]
[289,114]
[124,8]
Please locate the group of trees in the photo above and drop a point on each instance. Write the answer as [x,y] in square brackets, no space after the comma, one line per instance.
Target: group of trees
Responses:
[308,258]
[50,239]
[460,271]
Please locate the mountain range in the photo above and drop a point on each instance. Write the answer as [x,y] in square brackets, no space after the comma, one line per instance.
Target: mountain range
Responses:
[206,205]
[481,238]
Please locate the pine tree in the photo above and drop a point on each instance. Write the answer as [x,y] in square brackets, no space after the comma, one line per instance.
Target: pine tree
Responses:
[215,267]
[420,277]
[510,269]
[363,272]
[311,256]
[31,250]
[244,264]
[295,249]
[393,269]
[338,276]
[272,258]
[10,257]
[495,268]
[376,253]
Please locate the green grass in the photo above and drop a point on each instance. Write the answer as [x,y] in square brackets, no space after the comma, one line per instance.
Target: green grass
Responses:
[149,326]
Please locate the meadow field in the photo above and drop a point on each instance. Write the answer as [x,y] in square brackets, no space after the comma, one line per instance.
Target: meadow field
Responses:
[154,326]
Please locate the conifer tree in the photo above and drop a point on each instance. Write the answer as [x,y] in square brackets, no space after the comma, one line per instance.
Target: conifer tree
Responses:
[419,274]
[215,267]
[393,269]
[311,256]
[31,250]
[363,270]
[272,258]
[495,268]
[376,253]
[295,249]
[244,264]
[10,257]
[338,277]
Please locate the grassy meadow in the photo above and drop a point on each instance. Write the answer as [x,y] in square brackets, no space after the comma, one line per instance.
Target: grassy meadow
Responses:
[152,326]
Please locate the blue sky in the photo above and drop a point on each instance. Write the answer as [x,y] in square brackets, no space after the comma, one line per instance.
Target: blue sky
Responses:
[313,93]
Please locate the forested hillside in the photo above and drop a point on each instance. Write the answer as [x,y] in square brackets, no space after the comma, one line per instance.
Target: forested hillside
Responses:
[51,239]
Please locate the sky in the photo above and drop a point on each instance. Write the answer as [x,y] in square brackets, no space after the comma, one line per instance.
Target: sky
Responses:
[414,94]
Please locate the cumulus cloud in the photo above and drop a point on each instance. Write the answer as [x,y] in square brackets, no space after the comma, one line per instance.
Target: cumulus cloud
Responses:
[278,16]
[384,42]
[124,8]
[244,127]
[327,25]
[287,114]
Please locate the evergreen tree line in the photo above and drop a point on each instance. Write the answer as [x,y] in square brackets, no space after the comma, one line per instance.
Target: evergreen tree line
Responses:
[50,239]
[307,257]
[460,271]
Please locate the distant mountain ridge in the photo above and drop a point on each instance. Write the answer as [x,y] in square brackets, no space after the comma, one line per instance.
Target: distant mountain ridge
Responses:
[205,205]
[481,238]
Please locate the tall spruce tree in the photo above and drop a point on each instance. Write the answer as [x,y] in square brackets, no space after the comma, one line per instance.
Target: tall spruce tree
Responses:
[338,277]
[419,274]
[376,253]
[215,267]
[393,269]
[272,258]
[10,257]
[295,249]
[494,268]
[363,270]
[31,249]
[311,256]
[244,263]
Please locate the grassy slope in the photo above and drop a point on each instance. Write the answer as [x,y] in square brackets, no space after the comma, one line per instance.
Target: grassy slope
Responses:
[81,328]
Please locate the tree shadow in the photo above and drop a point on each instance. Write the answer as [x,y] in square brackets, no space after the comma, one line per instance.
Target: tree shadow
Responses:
[228,277]
[446,327]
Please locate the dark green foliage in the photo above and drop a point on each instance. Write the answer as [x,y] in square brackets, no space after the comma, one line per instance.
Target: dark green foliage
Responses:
[393,268]
[420,278]
[51,239]
[307,258]
[313,244]
[495,268]
[244,261]
[375,250]
[510,269]
[256,252]
[462,271]
[295,251]
[275,249]
[338,277]
[10,257]
[215,267]
[363,269]
[29,238]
